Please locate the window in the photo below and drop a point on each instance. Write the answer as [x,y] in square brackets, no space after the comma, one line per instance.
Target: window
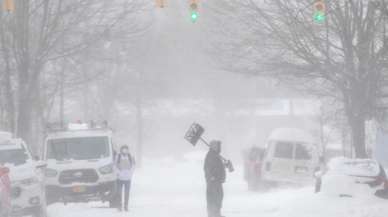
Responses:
[84,148]
[17,155]
[301,153]
[283,150]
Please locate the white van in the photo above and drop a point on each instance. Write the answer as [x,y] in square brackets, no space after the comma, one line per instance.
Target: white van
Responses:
[291,157]
[80,164]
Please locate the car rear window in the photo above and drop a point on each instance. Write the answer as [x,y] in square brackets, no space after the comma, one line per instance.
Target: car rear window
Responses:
[301,153]
[283,150]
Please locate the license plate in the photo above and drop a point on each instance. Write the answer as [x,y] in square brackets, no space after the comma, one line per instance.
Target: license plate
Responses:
[79,189]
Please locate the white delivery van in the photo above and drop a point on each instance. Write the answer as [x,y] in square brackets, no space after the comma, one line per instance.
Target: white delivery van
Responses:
[26,176]
[291,157]
[80,164]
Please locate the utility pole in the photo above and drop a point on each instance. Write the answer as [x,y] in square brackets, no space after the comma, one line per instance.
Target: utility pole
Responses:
[62,87]
[322,130]
[62,97]
[139,117]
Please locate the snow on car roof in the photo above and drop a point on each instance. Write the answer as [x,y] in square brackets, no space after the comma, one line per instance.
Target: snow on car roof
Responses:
[354,167]
[291,134]
[11,144]
[5,136]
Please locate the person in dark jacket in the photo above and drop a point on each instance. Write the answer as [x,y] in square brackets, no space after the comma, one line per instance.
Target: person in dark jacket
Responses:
[215,175]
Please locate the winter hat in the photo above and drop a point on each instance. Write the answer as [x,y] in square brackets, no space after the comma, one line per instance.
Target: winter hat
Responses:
[124,147]
[215,145]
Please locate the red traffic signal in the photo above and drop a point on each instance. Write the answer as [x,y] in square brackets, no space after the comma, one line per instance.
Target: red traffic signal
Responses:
[320,6]
[161,3]
[194,6]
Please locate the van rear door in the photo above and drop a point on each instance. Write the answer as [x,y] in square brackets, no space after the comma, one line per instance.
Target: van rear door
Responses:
[303,163]
[281,163]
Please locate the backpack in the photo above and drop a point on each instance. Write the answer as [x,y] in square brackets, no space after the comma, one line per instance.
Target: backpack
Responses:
[131,160]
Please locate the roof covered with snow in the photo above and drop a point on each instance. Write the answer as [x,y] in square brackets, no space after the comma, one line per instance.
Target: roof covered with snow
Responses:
[291,134]
[11,144]
[5,136]
[354,167]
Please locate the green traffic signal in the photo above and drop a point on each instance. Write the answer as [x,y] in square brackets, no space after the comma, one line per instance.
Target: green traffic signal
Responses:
[194,16]
[319,17]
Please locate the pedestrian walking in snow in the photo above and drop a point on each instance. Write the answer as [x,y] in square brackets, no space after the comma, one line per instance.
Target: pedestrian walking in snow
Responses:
[253,160]
[125,165]
[215,177]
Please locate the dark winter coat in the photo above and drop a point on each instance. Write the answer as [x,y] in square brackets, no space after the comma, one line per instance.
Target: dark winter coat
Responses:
[214,168]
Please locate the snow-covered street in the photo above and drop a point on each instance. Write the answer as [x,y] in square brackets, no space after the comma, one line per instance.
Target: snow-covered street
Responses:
[189,106]
[176,189]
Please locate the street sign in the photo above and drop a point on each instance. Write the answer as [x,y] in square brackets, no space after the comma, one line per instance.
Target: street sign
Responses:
[194,133]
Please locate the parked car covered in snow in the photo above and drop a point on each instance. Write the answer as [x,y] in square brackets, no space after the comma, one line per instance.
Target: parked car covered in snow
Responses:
[27,192]
[5,192]
[80,164]
[291,157]
[353,177]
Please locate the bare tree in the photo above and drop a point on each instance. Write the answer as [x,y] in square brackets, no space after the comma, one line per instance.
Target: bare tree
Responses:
[41,37]
[343,58]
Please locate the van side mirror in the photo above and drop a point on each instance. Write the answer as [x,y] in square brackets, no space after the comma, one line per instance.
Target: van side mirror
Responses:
[41,164]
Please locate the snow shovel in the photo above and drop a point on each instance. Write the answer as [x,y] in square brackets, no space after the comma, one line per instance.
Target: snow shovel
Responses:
[194,134]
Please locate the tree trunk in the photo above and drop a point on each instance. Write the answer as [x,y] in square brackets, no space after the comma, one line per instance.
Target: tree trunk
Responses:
[357,125]
[24,120]
[139,123]
[25,77]
[7,86]
[356,114]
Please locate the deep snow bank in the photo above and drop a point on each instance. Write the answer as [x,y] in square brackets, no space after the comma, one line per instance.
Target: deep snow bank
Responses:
[167,188]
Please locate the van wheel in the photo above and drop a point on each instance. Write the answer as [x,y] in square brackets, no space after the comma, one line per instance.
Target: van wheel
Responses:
[113,202]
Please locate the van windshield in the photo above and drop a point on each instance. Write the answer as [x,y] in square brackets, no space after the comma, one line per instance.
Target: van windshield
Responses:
[80,148]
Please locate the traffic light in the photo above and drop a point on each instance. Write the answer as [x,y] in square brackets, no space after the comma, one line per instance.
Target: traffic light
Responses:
[161,3]
[194,10]
[319,11]
[9,5]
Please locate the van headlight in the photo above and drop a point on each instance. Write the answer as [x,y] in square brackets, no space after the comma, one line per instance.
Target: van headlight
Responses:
[108,169]
[50,172]
[29,181]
